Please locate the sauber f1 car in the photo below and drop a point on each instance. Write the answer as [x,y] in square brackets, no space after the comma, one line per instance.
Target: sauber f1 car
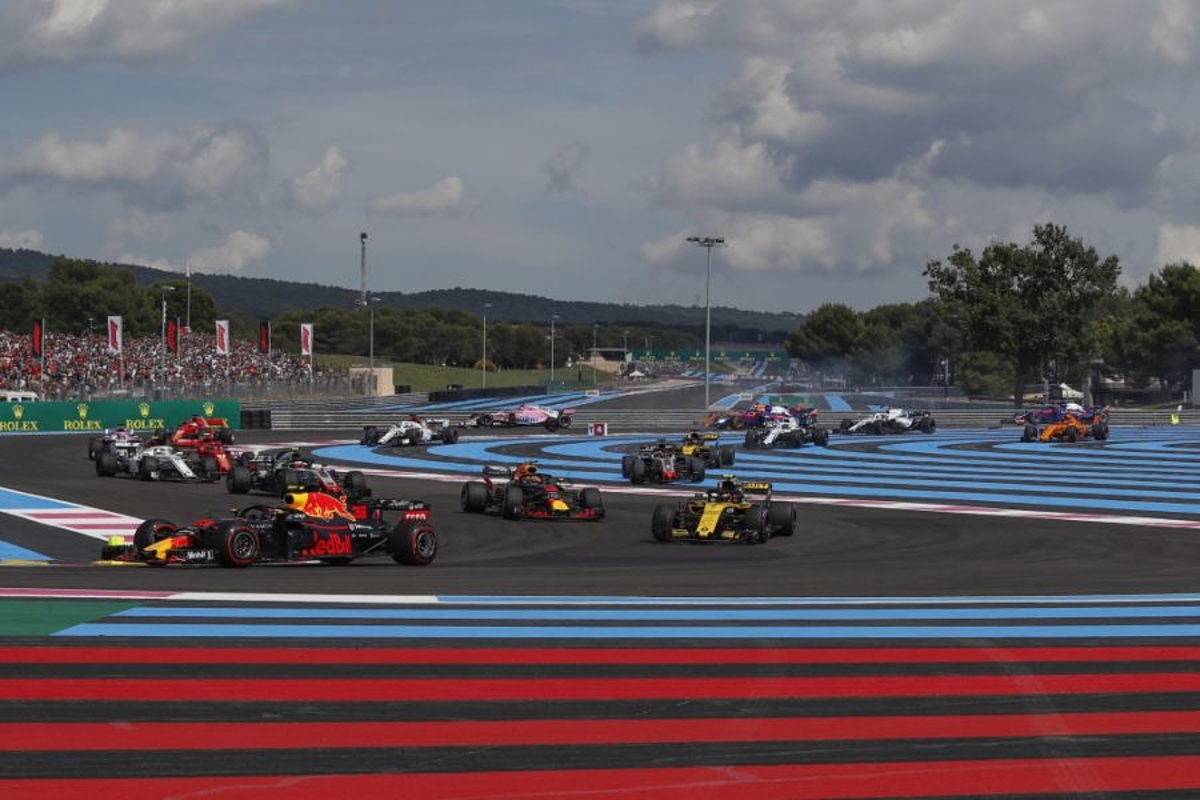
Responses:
[523,415]
[414,430]
[157,463]
[893,420]
[724,514]
[526,491]
[283,470]
[661,462]
[308,527]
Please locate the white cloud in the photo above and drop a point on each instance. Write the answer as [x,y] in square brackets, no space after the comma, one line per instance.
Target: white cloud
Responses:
[26,239]
[65,31]
[447,196]
[564,170]
[320,188]
[239,250]
[1178,243]
[142,225]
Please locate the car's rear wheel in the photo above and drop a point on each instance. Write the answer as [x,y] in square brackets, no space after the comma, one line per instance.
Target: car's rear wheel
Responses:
[781,519]
[370,435]
[413,544]
[697,465]
[449,435]
[637,471]
[727,455]
[513,504]
[474,497]
[355,483]
[95,445]
[751,440]
[1030,433]
[627,465]
[821,437]
[151,531]
[225,435]
[237,480]
[209,469]
[1071,435]
[662,522]
[106,464]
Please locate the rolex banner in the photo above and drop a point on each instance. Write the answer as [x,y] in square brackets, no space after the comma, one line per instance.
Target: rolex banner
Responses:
[114,334]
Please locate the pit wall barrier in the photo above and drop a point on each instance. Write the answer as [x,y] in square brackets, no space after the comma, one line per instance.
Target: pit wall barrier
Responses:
[137,415]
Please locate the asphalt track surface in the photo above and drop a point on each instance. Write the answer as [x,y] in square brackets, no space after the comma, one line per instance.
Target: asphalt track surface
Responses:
[880,652]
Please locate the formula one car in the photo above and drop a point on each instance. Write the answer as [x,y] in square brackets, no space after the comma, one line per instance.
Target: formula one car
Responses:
[118,440]
[283,470]
[158,462]
[526,491]
[787,430]
[309,527]
[707,447]
[1068,422]
[724,514]
[414,430]
[523,415]
[892,420]
[661,462]
[200,429]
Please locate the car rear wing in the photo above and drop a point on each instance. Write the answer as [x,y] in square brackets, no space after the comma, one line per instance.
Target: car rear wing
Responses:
[497,471]
[757,487]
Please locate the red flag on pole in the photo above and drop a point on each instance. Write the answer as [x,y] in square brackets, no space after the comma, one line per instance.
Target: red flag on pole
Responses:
[173,335]
[114,334]
[37,346]
[222,337]
[264,337]
[306,342]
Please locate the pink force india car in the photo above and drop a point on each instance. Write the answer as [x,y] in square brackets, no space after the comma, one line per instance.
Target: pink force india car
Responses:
[523,415]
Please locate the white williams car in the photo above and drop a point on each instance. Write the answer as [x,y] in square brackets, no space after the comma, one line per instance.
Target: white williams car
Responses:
[414,430]
[893,420]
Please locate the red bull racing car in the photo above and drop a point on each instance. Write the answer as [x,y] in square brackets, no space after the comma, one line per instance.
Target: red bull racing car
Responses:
[310,526]
[529,492]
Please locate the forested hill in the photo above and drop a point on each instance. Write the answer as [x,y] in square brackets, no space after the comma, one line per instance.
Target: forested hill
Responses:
[262,298]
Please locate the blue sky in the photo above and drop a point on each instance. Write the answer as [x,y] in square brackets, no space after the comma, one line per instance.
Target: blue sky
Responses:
[567,148]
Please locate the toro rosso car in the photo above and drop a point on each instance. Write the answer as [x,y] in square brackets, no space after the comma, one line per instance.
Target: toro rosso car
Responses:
[523,415]
[309,527]
[724,514]
[414,430]
[283,470]
[893,420]
[526,491]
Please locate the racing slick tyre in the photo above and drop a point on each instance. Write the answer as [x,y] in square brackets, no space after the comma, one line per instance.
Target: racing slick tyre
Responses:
[237,480]
[551,424]
[637,471]
[627,465]
[781,519]
[209,469]
[413,544]
[151,531]
[355,483]
[756,527]
[370,435]
[484,420]
[821,437]
[590,498]
[697,468]
[237,545]
[474,497]
[225,435]
[449,435]
[1071,435]
[564,422]
[147,467]
[846,425]
[876,428]
[751,441]
[159,436]
[95,445]
[1099,431]
[106,464]
[1030,433]
[512,505]
[726,454]
[662,522]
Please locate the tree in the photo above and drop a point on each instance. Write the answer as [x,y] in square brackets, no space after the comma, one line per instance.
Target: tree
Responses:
[1162,336]
[830,335]
[1034,305]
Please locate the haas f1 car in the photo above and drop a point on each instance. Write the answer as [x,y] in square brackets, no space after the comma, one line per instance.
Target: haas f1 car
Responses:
[526,491]
[282,470]
[308,527]
[523,415]
[414,430]
[661,462]
[725,514]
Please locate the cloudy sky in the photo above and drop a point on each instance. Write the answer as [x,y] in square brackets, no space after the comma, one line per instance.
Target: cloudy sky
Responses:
[567,148]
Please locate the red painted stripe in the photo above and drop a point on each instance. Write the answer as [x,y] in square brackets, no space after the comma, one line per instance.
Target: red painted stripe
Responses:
[549,656]
[830,781]
[139,736]
[334,689]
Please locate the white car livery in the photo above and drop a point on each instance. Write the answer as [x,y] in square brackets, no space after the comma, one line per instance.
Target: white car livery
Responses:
[411,431]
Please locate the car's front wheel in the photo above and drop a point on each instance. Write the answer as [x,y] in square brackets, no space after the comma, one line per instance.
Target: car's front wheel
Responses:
[413,544]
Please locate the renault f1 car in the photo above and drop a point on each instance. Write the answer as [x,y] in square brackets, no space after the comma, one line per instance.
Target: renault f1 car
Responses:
[523,415]
[158,462]
[661,462]
[788,430]
[725,514]
[414,430]
[526,491]
[707,447]
[308,527]
[283,470]
[892,420]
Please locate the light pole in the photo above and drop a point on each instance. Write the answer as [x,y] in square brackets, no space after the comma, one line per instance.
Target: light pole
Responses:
[552,318]
[483,364]
[708,243]
[595,330]
[362,240]
[162,339]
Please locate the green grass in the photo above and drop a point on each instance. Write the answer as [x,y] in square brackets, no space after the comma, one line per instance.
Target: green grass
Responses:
[428,378]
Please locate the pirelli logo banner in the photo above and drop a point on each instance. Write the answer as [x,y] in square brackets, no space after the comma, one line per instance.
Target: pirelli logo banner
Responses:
[136,415]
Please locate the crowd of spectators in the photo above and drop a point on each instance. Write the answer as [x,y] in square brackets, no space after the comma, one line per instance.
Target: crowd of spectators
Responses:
[83,367]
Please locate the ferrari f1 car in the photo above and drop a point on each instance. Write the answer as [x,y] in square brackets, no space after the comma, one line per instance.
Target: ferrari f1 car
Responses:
[794,429]
[892,420]
[725,514]
[526,491]
[523,415]
[414,430]
[309,527]
[661,462]
[158,462]
[283,470]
